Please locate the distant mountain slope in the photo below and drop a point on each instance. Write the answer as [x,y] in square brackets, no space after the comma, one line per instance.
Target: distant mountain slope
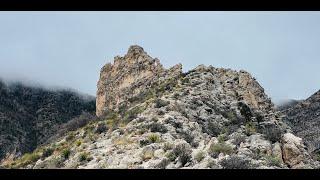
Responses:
[304,119]
[30,115]
[287,104]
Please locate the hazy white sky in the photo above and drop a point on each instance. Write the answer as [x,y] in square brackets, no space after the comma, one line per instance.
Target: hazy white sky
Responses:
[280,49]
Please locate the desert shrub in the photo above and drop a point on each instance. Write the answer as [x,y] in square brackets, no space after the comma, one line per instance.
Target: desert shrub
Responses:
[176,95]
[171,156]
[272,133]
[231,115]
[157,127]
[236,162]
[250,129]
[187,136]
[185,80]
[153,138]
[199,156]
[132,113]
[70,137]
[161,112]
[221,147]
[30,158]
[167,146]
[144,142]
[273,161]
[147,154]
[183,151]
[161,103]
[214,128]
[79,121]
[238,139]
[245,111]
[78,142]
[222,138]
[47,152]
[84,157]
[101,128]
[65,153]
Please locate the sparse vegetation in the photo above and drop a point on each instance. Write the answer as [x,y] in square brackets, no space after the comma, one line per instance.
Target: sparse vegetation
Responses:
[47,152]
[101,127]
[65,153]
[238,139]
[221,147]
[272,133]
[273,161]
[132,113]
[199,156]
[250,129]
[236,162]
[183,151]
[214,128]
[84,157]
[161,103]
[157,127]
[167,146]
[78,142]
[147,154]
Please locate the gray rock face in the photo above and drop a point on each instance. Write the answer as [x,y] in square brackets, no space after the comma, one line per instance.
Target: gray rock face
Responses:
[156,118]
[304,119]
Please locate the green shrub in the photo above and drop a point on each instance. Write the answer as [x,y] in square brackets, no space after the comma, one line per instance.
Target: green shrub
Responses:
[171,156]
[157,127]
[236,162]
[250,129]
[161,103]
[30,157]
[238,139]
[78,143]
[272,133]
[153,138]
[216,149]
[65,153]
[183,151]
[214,128]
[70,137]
[167,146]
[84,157]
[199,156]
[132,113]
[47,152]
[273,161]
[222,138]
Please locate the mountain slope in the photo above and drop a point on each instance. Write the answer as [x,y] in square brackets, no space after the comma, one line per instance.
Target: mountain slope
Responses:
[304,119]
[152,117]
[29,116]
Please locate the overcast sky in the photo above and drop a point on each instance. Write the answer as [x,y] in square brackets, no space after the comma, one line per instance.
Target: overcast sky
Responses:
[280,49]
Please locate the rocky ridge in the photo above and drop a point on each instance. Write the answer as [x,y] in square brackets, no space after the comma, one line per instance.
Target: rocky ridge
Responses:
[304,119]
[152,117]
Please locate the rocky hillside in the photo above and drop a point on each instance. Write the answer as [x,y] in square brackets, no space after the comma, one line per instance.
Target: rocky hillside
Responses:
[287,104]
[152,117]
[29,116]
[304,119]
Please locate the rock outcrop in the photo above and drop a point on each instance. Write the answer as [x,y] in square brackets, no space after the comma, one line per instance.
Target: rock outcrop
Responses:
[156,118]
[304,120]
[29,116]
[129,77]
